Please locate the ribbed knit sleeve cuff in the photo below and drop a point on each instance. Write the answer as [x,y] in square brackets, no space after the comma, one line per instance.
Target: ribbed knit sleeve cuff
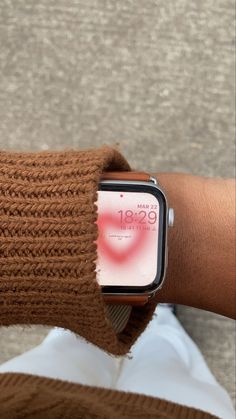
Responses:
[47,245]
[23,395]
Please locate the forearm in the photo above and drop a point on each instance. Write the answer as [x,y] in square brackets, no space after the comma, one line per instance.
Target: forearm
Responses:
[48,257]
[47,249]
[201,270]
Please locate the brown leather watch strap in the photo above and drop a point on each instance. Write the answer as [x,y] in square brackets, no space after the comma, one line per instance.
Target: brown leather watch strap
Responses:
[134,300]
[141,176]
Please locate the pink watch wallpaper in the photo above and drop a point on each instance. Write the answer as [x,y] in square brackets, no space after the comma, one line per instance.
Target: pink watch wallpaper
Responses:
[128,225]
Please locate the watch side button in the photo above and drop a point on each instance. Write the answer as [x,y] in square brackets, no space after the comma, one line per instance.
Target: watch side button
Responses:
[171,217]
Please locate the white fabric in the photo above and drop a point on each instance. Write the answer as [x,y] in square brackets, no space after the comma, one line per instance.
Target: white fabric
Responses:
[163,363]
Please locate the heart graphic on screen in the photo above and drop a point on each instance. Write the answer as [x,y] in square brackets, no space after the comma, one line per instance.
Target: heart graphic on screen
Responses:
[110,222]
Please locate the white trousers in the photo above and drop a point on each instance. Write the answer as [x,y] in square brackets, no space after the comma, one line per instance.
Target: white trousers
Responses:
[163,363]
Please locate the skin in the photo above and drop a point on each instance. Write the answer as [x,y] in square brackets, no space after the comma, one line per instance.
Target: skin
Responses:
[201,269]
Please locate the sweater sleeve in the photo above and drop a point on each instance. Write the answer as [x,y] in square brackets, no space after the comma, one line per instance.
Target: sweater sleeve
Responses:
[48,235]
[23,395]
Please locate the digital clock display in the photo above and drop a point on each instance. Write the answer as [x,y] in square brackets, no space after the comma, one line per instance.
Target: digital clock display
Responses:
[128,224]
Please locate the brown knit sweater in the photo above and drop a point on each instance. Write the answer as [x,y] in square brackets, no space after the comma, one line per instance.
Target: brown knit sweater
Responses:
[47,276]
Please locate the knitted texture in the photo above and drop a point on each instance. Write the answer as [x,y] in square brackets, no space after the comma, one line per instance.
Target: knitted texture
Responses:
[26,396]
[47,245]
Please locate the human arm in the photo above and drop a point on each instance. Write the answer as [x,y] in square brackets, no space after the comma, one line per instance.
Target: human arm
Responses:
[48,250]
[201,270]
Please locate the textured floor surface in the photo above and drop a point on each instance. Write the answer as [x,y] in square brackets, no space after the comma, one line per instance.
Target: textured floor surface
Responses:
[154,77]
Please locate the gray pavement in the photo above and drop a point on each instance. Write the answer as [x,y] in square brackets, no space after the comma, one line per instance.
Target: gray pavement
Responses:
[155,77]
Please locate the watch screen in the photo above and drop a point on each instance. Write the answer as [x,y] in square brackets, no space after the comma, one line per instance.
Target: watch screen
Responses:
[128,224]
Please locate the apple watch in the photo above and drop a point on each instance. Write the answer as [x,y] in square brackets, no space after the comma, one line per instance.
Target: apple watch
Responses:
[133,220]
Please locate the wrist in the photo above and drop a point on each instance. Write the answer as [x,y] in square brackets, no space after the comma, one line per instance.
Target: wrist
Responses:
[201,244]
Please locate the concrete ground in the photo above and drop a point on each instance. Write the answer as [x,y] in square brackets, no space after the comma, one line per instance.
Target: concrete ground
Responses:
[156,77]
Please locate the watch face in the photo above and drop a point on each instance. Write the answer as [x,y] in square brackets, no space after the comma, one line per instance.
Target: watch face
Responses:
[131,242]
